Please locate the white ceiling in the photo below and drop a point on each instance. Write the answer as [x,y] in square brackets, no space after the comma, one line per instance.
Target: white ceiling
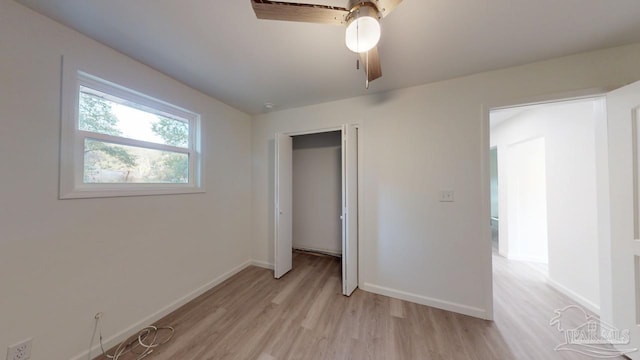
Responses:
[220,48]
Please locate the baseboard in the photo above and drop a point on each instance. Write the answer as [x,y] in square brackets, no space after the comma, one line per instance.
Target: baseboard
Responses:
[581,300]
[133,329]
[320,251]
[262,264]
[424,300]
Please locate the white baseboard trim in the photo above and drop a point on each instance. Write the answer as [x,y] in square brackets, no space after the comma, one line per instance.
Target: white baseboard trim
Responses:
[581,300]
[428,301]
[133,329]
[262,264]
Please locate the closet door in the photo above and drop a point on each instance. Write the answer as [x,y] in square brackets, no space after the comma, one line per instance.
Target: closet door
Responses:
[283,204]
[349,209]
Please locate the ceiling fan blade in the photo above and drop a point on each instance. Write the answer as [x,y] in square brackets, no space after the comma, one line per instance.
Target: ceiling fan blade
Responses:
[278,10]
[371,63]
[387,6]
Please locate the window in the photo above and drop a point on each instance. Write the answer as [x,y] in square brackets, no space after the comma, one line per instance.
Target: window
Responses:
[119,143]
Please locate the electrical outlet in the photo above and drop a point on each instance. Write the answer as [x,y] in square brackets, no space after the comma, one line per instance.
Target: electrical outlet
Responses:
[20,351]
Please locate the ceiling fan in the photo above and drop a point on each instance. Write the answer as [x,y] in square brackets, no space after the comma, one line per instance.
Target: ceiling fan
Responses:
[361,19]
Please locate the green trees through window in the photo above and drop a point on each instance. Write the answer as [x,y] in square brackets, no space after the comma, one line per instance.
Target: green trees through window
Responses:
[117,141]
[131,144]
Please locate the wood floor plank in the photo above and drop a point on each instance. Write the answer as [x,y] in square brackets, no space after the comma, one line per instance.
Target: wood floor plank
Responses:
[292,285]
[313,315]
[396,308]
[303,315]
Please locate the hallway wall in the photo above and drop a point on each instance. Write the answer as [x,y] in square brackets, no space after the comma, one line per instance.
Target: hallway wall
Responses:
[569,132]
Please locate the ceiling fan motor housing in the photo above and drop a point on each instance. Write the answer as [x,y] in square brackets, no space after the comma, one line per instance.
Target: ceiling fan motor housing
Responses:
[357,6]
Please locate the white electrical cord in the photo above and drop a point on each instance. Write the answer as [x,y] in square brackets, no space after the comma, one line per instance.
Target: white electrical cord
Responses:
[140,345]
[93,335]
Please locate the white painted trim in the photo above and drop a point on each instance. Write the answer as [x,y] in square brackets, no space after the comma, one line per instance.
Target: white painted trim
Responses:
[485,211]
[131,330]
[119,140]
[428,301]
[604,213]
[115,191]
[581,300]
[262,264]
[315,131]
[361,201]
[552,98]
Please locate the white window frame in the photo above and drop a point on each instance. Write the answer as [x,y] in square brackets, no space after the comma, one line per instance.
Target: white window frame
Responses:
[72,185]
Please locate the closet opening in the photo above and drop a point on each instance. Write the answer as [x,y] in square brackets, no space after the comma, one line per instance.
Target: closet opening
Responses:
[316,199]
[317,193]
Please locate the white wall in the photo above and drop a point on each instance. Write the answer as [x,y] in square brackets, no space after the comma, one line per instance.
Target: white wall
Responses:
[61,261]
[526,185]
[569,130]
[417,141]
[317,192]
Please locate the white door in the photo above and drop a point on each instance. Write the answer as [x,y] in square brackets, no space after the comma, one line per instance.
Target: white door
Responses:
[623,117]
[283,205]
[349,209]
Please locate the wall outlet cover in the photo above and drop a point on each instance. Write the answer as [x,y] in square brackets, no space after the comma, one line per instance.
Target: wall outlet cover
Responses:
[20,351]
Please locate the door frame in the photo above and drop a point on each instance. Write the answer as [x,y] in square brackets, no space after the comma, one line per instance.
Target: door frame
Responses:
[500,244]
[283,265]
[622,225]
[360,211]
[485,173]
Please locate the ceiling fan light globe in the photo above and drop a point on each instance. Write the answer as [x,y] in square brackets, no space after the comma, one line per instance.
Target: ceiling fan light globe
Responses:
[363,34]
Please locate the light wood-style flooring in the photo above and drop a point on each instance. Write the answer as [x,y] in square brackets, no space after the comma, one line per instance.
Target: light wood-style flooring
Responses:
[252,316]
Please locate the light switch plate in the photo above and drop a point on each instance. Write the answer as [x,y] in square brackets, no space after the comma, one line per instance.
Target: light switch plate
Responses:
[447,196]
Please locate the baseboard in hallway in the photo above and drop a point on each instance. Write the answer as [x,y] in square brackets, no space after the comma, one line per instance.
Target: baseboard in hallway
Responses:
[524,304]
[318,252]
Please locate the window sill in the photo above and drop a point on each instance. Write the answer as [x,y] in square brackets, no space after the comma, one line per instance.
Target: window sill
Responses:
[119,191]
